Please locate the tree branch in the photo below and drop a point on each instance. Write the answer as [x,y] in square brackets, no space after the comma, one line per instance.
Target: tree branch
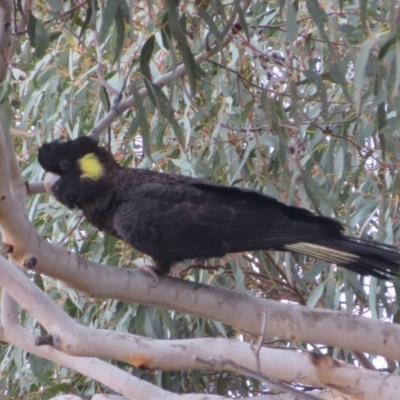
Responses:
[75,339]
[13,333]
[5,33]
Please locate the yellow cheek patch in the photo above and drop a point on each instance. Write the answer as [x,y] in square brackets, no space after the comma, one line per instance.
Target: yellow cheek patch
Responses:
[90,166]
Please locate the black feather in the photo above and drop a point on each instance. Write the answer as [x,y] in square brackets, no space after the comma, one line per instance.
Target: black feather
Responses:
[175,217]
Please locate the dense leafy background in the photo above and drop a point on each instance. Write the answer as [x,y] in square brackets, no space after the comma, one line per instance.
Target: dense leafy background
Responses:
[303,104]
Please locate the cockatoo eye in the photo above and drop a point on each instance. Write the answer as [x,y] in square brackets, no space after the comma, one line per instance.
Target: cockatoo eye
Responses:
[64,165]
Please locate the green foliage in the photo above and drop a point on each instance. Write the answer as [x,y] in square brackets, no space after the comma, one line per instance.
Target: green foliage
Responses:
[303,104]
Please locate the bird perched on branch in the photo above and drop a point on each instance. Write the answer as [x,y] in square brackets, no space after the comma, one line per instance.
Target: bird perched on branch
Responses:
[174,217]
